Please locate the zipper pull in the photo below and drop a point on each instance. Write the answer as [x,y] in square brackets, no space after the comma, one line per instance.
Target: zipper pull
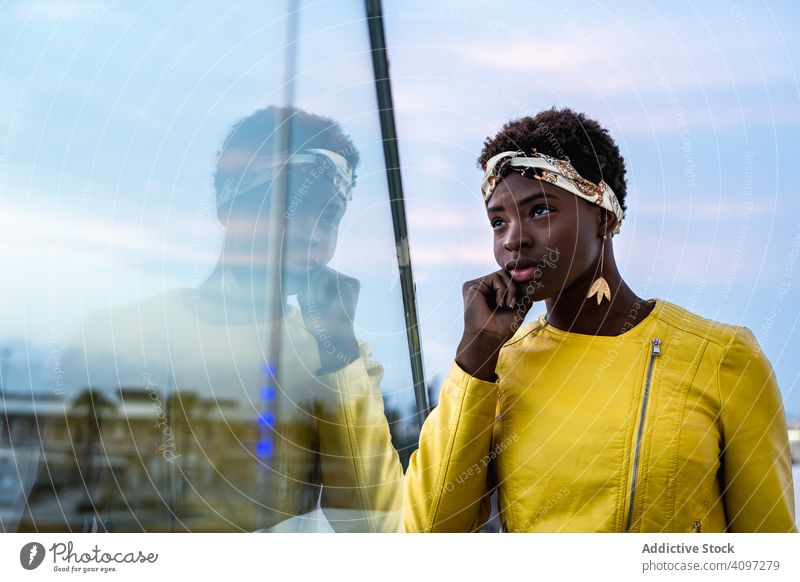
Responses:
[656,346]
[696,527]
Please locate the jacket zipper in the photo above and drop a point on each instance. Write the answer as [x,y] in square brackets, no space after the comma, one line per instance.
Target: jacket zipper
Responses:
[654,351]
[696,526]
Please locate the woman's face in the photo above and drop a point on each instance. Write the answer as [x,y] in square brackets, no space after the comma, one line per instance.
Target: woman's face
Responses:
[312,217]
[314,211]
[545,237]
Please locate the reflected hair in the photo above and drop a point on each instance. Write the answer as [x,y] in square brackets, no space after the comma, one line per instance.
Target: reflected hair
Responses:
[254,137]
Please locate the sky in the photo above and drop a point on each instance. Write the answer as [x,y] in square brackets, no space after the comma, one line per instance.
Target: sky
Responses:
[111,115]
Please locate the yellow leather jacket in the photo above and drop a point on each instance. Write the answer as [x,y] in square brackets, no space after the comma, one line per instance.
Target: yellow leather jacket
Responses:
[676,425]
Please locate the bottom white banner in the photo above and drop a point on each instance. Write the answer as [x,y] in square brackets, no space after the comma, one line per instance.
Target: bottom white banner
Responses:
[118,557]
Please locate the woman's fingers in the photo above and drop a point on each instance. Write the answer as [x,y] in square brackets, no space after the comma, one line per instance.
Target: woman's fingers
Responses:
[509,289]
[498,285]
[504,288]
[500,291]
[474,289]
[497,288]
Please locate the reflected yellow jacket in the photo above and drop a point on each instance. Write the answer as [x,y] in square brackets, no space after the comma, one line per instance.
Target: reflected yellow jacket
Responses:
[332,444]
[676,425]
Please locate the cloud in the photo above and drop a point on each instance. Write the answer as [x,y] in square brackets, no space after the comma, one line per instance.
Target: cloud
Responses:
[41,231]
[52,10]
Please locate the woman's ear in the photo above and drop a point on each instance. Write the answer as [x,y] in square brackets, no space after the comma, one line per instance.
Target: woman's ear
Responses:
[608,222]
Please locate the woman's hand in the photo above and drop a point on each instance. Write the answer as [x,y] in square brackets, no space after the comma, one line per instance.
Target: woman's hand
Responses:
[328,307]
[494,308]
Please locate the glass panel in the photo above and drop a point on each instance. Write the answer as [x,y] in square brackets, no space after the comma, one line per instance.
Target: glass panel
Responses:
[159,371]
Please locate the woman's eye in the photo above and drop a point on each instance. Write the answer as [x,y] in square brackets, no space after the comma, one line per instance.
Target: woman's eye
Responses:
[497,222]
[535,211]
[330,219]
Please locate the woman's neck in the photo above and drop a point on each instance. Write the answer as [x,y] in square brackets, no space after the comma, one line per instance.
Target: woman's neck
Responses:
[572,311]
[232,296]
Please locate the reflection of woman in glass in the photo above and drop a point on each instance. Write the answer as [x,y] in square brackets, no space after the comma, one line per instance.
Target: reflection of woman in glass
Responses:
[183,451]
[610,412]
[330,424]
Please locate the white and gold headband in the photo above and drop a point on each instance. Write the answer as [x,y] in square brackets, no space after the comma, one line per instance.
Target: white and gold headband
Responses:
[262,171]
[555,171]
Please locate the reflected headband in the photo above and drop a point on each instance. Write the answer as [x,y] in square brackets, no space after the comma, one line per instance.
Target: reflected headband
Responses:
[263,170]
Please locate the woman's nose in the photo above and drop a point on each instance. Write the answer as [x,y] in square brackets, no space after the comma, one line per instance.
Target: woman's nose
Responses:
[304,240]
[314,238]
[303,230]
[517,238]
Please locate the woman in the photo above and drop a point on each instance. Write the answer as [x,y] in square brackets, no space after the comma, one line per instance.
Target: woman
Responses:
[610,413]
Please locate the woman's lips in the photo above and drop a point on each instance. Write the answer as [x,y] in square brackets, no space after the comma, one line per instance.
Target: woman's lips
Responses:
[524,274]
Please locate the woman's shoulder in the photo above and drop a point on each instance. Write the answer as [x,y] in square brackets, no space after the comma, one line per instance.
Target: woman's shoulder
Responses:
[740,363]
[688,322]
[670,319]
[526,329]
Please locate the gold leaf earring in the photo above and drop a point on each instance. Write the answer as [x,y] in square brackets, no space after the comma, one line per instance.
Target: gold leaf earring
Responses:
[600,287]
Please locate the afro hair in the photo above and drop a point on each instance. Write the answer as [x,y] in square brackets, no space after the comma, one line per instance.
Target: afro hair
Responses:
[563,133]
